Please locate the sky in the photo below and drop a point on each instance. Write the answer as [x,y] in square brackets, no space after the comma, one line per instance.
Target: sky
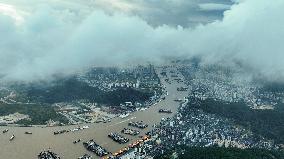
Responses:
[40,39]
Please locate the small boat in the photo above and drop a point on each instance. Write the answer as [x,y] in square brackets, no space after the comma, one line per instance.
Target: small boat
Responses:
[4,131]
[165,111]
[12,137]
[86,127]
[29,133]
[77,141]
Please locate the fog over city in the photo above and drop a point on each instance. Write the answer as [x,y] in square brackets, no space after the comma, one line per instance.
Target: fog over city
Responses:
[40,39]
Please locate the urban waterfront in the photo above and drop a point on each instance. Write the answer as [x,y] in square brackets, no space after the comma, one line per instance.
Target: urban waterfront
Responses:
[44,139]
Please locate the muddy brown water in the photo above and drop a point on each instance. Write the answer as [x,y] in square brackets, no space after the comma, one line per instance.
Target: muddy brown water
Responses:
[26,146]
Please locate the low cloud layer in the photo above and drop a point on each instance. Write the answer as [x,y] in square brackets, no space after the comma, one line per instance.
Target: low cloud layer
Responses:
[60,38]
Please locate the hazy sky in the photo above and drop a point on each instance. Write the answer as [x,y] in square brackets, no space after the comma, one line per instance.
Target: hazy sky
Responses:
[42,38]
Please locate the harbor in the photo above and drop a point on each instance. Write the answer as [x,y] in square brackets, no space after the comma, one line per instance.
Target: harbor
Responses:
[43,138]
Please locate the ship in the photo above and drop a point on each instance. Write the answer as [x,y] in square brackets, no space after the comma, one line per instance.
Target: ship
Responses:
[165,111]
[5,131]
[138,124]
[12,137]
[130,131]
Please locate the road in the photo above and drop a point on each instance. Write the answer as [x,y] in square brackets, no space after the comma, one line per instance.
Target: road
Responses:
[28,146]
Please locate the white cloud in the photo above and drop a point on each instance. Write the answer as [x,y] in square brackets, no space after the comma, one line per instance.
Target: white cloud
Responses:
[116,5]
[213,6]
[59,40]
[11,11]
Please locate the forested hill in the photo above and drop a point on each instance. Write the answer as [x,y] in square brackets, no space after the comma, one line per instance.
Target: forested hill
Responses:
[72,89]
[267,123]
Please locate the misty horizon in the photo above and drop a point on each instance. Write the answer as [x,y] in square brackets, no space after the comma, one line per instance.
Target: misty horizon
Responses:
[42,39]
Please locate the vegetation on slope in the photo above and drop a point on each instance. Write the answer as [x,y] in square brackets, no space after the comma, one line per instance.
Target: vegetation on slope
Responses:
[72,89]
[267,123]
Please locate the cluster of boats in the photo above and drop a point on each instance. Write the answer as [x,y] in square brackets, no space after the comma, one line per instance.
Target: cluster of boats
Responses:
[48,155]
[94,147]
[130,147]
[13,136]
[118,138]
[168,111]
[71,130]
[130,131]
[138,124]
